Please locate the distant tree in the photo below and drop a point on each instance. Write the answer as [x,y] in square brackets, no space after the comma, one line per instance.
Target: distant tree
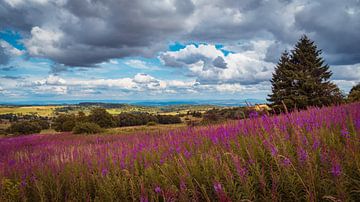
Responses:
[101,117]
[24,128]
[64,122]
[86,128]
[354,95]
[301,79]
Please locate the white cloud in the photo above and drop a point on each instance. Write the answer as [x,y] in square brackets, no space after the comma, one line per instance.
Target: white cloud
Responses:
[43,42]
[246,67]
[143,78]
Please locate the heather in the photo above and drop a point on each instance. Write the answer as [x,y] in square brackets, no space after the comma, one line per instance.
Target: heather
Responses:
[312,155]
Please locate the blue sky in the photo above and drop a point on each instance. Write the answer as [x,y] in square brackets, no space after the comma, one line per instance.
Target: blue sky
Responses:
[191,49]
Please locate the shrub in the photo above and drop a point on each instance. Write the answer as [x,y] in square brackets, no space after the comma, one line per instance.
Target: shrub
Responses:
[43,124]
[101,117]
[86,128]
[64,122]
[24,128]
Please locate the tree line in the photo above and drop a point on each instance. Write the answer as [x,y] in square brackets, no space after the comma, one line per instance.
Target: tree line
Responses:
[95,122]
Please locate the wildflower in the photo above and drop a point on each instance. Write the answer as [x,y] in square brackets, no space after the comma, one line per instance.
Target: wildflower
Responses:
[336,169]
[302,154]
[187,154]
[104,172]
[286,162]
[217,187]
[157,190]
[182,185]
[345,133]
[274,151]
[144,199]
[316,144]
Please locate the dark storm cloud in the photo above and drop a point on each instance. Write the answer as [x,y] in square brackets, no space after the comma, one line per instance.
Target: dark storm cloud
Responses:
[4,58]
[90,32]
[335,26]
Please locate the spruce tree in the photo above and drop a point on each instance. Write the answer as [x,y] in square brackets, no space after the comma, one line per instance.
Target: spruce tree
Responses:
[301,79]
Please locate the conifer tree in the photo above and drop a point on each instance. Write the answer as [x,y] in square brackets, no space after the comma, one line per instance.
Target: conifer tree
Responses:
[301,79]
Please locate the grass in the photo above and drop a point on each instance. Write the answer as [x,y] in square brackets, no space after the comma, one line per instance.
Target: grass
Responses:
[39,110]
[312,155]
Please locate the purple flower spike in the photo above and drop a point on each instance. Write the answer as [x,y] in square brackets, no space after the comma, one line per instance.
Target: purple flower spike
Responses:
[157,190]
[217,187]
[104,172]
[286,162]
[336,170]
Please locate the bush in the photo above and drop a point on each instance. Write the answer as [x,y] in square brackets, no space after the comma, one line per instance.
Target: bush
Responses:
[64,122]
[43,124]
[24,128]
[101,117]
[86,128]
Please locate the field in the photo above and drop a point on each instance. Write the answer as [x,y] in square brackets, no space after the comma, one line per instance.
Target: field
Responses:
[50,111]
[311,155]
[39,110]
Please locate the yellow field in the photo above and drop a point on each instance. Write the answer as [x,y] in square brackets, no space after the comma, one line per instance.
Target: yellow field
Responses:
[39,110]
[134,129]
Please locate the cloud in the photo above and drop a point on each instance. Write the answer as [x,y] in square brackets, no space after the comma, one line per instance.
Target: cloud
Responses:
[210,65]
[60,30]
[7,51]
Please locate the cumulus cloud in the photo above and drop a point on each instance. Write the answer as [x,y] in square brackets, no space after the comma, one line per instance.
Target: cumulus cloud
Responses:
[84,33]
[210,65]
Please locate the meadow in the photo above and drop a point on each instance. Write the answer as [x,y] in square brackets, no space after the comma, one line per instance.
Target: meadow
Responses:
[312,155]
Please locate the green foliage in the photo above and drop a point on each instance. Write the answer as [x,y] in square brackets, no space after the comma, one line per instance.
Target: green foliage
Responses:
[301,79]
[86,128]
[101,117]
[354,95]
[24,128]
[64,122]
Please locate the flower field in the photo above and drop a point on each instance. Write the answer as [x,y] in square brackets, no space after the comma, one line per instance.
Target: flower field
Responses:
[311,155]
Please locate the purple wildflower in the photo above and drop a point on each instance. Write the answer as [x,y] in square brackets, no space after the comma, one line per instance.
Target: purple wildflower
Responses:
[286,162]
[144,199]
[187,154]
[157,190]
[345,133]
[217,187]
[302,154]
[104,172]
[336,169]
[316,144]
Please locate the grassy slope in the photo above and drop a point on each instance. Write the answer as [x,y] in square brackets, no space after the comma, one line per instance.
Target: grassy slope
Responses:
[312,155]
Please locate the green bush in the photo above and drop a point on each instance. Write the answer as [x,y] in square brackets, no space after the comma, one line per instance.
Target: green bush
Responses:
[64,122]
[44,124]
[24,128]
[86,128]
[101,117]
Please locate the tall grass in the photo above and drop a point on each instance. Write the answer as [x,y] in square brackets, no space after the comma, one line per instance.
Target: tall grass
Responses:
[312,155]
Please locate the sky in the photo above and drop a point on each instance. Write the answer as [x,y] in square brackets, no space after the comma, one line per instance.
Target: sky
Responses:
[166,49]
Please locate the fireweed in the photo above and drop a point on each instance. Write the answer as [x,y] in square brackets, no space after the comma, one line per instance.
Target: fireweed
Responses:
[308,155]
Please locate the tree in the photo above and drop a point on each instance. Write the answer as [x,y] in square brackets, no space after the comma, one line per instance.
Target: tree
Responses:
[101,117]
[86,128]
[24,128]
[301,79]
[354,95]
[64,122]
